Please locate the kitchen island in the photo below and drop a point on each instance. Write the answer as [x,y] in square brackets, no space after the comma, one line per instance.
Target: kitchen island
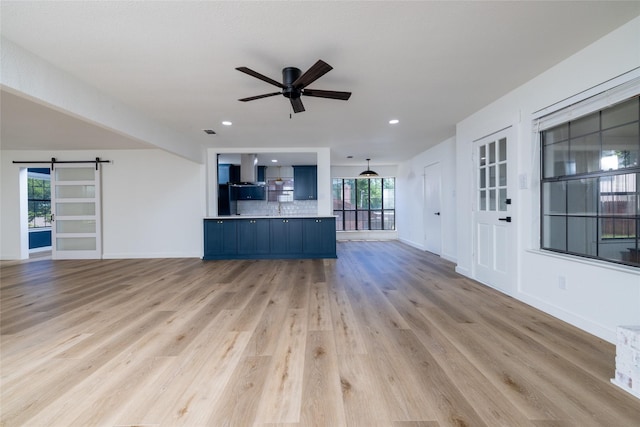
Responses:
[269,237]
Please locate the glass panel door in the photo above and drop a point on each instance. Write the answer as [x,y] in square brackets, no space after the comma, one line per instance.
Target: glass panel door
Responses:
[76,228]
[492,174]
[494,235]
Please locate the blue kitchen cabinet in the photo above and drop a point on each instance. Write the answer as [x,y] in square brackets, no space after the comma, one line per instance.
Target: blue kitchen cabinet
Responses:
[253,236]
[319,237]
[220,238]
[251,192]
[228,173]
[286,236]
[269,238]
[305,182]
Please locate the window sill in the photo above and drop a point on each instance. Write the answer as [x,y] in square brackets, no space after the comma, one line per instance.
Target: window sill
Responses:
[587,261]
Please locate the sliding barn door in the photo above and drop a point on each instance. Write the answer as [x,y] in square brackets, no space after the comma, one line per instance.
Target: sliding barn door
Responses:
[75,205]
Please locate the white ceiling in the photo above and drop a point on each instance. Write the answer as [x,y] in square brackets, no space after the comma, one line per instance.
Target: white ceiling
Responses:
[429,64]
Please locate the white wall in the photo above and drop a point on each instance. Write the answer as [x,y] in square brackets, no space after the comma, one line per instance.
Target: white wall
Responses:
[410,198]
[153,203]
[597,297]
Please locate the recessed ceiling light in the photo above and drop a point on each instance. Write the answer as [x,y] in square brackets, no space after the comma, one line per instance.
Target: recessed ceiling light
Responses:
[209,131]
[227,123]
[394,121]
[274,161]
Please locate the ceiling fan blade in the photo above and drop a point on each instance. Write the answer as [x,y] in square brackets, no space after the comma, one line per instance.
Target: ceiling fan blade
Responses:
[296,103]
[259,76]
[316,71]
[327,94]
[251,98]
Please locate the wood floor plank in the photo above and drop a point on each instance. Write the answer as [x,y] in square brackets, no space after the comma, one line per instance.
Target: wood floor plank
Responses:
[267,331]
[510,378]
[319,308]
[362,393]
[479,393]
[194,407]
[168,396]
[384,336]
[239,402]
[34,398]
[321,378]
[282,394]
[346,331]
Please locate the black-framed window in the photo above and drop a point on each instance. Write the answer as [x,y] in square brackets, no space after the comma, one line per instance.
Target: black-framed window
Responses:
[364,203]
[39,197]
[590,190]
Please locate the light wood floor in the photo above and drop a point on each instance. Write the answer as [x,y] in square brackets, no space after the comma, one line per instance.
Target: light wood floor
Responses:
[385,335]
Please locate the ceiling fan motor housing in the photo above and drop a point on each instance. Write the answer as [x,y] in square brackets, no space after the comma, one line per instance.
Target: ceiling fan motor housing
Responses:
[290,75]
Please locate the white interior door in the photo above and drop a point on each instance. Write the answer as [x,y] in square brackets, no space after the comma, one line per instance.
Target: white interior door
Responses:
[494,258]
[75,205]
[432,200]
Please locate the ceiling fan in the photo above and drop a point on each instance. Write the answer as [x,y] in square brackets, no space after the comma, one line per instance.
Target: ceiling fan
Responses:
[294,84]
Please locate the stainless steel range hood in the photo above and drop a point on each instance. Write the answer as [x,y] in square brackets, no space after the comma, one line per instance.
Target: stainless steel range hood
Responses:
[248,171]
[248,168]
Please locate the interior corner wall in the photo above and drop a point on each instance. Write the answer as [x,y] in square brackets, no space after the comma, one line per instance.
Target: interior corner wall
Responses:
[13,232]
[598,296]
[152,202]
[410,207]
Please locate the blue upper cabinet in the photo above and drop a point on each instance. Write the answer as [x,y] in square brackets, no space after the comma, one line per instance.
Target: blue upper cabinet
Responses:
[252,192]
[305,182]
[262,172]
[228,173]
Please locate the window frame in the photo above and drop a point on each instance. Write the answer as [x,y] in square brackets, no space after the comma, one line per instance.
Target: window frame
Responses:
[597,215]
[367,212]
[37,174]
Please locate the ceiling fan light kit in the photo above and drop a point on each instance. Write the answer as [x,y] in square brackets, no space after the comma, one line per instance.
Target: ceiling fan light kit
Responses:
[294,85]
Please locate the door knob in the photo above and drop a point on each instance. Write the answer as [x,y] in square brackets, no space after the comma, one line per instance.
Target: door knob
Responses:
[508,219]
[437,213]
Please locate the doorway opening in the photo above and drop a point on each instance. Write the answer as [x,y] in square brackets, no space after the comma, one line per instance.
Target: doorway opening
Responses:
[39,216]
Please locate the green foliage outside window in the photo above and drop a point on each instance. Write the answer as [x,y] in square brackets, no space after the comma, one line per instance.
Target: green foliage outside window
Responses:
[364,203]
[39,202]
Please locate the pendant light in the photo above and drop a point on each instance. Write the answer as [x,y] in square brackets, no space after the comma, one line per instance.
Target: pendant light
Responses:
[279,181]
[368,173]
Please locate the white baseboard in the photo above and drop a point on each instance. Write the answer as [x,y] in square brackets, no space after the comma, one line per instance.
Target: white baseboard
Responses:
[124,255]
[413,244]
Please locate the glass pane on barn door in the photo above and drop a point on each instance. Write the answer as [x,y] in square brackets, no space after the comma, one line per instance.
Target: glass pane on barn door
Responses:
[76,230]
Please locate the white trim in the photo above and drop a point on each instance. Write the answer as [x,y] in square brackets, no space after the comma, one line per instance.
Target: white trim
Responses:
[587,261]
[586,324]
[366,235]
[596,98]
[490,135]
[150,255]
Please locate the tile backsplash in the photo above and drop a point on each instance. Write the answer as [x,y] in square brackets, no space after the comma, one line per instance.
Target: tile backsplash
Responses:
[262,208]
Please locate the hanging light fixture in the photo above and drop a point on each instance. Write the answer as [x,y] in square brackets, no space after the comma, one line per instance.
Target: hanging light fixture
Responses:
[368,173]
[279,181]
